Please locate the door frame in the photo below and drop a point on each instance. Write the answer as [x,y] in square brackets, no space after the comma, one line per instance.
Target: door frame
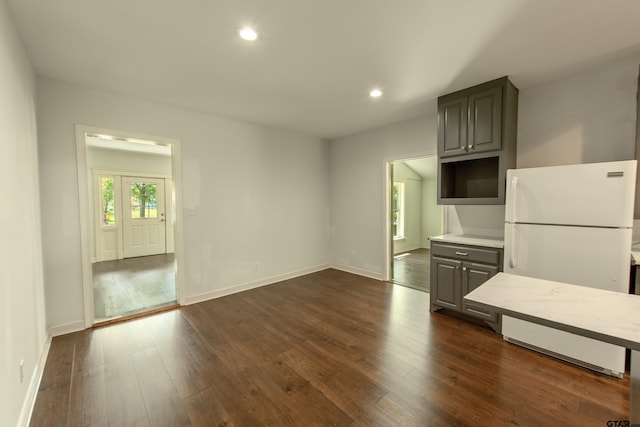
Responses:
[85,212]
[387,272]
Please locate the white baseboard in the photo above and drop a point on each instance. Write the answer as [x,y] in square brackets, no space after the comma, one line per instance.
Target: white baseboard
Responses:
[193,299]
[66,328]
[358,271]
[34,385]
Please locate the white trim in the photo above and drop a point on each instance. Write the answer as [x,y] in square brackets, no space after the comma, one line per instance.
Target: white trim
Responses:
[30,400]
[194,299]
[125,172]
[85,224]
[358,271]
[66,328]
[387,234]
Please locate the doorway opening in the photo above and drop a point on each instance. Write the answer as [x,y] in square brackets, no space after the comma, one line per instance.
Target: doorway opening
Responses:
[131,262]
[414,216]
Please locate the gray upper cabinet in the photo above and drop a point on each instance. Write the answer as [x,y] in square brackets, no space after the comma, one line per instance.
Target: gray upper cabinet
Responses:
[485,120]
[452,127]
[470,123]
[476,142]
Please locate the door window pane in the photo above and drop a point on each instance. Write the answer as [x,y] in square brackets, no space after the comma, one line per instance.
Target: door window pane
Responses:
[108,202]
[143,200]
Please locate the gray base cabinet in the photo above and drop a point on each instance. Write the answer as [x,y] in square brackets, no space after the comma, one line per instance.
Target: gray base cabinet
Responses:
[457,270]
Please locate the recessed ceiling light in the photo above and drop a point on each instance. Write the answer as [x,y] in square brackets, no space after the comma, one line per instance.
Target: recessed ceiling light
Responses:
[248,34]
[375,93]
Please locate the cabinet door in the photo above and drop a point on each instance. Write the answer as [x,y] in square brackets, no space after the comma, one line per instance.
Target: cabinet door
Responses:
[445,283]
[485,120]
[474,275]
[452,127]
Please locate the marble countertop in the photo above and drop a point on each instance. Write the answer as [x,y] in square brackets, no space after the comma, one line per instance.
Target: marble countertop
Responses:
[608,316]
[466,239]
[635,254]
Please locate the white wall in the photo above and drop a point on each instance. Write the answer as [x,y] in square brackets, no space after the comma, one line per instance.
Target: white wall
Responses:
[357,189]
[22,314]
[584,118]
[260,195]
[431,212]
[412,208]
[129,161]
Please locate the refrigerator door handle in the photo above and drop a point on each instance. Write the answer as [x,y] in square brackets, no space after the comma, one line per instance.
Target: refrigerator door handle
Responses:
[514,198]
[513,259]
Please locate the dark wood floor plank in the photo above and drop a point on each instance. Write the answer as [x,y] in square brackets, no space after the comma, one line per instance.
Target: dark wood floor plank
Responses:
[52,403]
[164,405]
[88,351]
[293,394]
[413,270]
[351,391]
[132,285]
[51,407]
[329,348]
[182,369]
[58,368]
[88,399]
[125,404]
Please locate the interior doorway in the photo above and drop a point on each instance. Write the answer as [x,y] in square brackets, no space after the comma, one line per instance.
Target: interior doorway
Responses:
[131,264]
[414,217]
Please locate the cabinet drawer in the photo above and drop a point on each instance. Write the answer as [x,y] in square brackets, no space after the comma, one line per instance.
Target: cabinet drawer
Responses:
[483,255]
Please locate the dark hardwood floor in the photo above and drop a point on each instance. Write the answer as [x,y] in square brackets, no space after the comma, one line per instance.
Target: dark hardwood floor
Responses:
[326,349]
[133,285]
[413,269]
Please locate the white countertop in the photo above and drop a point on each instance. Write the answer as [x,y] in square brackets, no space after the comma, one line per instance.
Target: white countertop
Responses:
[635,254]
[466,239]
[608,316]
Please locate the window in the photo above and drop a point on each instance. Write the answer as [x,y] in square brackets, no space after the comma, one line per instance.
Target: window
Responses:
[398,210]
[143,200]
[108,201]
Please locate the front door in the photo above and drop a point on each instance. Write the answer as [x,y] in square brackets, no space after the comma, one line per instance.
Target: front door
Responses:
[143,216]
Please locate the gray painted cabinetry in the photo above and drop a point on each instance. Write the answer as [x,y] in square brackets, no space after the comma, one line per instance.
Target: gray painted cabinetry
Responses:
[476,142]
[457,270]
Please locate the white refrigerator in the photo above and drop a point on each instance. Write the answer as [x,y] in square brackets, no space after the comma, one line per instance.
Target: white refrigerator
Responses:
[570,224]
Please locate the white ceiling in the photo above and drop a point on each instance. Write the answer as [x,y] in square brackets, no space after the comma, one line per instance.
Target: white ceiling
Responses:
[426,167]
[108,142]
[316,60]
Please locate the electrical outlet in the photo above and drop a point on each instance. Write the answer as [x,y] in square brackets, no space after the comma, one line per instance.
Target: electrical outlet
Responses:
[21,371]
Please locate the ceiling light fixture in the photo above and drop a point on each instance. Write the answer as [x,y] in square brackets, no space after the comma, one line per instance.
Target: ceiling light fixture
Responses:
[248,34]
[375,93]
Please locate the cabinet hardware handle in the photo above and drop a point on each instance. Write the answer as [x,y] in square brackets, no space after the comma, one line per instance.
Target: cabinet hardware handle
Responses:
[461,253]
[464,268]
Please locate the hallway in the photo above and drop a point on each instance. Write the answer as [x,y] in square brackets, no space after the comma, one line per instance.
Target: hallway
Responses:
[132,285]
[412,269]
